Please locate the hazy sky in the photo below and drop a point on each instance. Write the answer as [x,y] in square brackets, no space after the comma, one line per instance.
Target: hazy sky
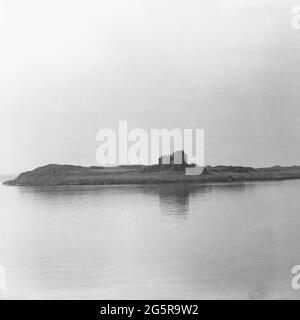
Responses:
[71,67]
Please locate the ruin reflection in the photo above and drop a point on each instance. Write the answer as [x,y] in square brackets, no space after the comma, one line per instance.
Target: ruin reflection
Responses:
[174,200]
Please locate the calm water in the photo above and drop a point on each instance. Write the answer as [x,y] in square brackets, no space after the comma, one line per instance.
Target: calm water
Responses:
[171,241]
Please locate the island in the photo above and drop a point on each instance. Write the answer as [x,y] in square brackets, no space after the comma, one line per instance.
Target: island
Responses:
[60,175]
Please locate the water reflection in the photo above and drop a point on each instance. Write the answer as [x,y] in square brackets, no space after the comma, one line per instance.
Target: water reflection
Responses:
[176,240]
[174,199]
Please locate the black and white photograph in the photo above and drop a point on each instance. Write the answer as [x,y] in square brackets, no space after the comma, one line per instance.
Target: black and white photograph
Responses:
[149,151]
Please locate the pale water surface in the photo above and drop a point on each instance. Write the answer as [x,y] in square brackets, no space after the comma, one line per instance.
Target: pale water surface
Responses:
[168,241]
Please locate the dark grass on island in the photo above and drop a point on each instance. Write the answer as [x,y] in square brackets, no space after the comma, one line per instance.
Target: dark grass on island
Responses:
[60,175]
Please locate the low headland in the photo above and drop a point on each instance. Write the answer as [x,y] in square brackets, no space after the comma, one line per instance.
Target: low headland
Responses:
[60,175]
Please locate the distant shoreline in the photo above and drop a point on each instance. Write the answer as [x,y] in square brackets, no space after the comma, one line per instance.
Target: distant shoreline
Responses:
[64,175]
